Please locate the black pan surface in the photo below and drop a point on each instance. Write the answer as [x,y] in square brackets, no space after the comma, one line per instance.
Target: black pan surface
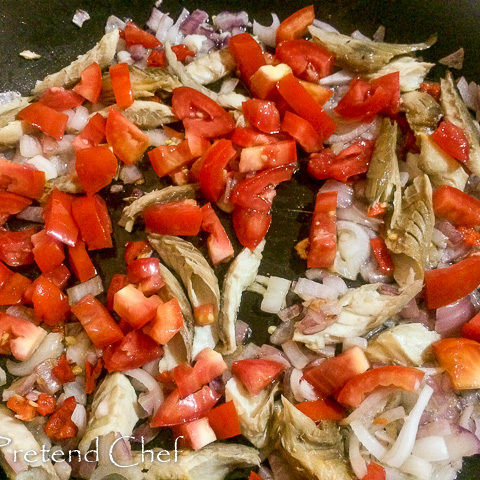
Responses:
[45,27]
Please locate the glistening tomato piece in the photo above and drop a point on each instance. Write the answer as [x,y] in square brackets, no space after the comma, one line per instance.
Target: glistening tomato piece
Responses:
[224,421]
[262,114]
[302,131]
[133,307]
[318,410]
[176,410]
[323,232]
[471,329]
[60,425]
[212,172]
[97,322]
[308,60]
[250,226]
[375,472]
[48,120]
[45,404]
[452,139]
[263,83]
[167,322]
[121,85]
[90,85]
[257,374]
[295,25]
[127,140]
[249,137]
[456,206]
[63,371]
[12,286]
[471,236]
[201,115]
[80,262]
[182,52]
[157,58]
[167,158]
[358,387]
[21,179]
[47,252]
[268,156]
[91,375]
[220,248]
[444,286]
[23,408]
[382,255]
[49,303]
[11,203]
[136,36]
[143,268]
[117,283]
[16,247]
[92,135]
[138,249]
[433,89]
[60,98]
[175,218]
[460,357]
[95,167]
[248,55]
[59,222]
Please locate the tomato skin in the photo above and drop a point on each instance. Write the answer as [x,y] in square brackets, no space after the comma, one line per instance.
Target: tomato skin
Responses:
[280,153]
[471,329]
[96,167]
[90,85]
[11,203]
[452,140]
[136,36]
[63,371]
[323,232]
[295,25]
[358,387]
[262,114]
[91,375]
[307,60]
[256,374]
[182,218]
[59,222]
[263,82]
[212,172]
[48,120]
[433,89]
[143,268]
[460,357]
[119,280]
[444,286]
[157,58]
[182,52]
[188,104]
[248,55]
[382,255]
[456,206]
[176,411]
[250,226]
[121,85]
[167,158]
[92,135]
[167,322]
[49,303]
[12,286]
[220,248]
[60,98]
[21,179]
[319,93]
[80,262]
[302,132]
[16,247]
[375,472]
[47,251]
[60,425]
[224,421]
[127,140]
[318,410]
[249,137]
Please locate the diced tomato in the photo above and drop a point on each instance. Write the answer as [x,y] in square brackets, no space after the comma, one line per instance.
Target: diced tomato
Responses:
[256,192]
[212,172]
[375,472]
[376,210]
[220,248]
[92,135]
[63,371]
[471,329]
[165,377]
[146,272]
[249,137]
[22,407]
[304,105]
[196,434]
[11,203]
[257,374]
[250,226]
[182,52]
[60,425]
[444,286]
[60,98]
[59,276]
[452,140]
[97,322]
[121,85]
[308,60]
[323,409]
[136,36]
[268,156]
[176,410]
[262,114]
[471,236]
[138,249]
[127,140]
[49,303]
[460,357]
[358,387]
[254,476]
[91,215]
[224,421]
[167,158]
[456,206]
[197,145]
[48,120]
[174,218]
[332,374]
[91,375]
[133,351]
[201,116]
[80,262]
[353,160]
[47,251]
[45,404]
[157,58]
[248,55]
[382,255]
[118,282]
[21,179]
[302,131]
[295,26]
[132,306]
[167,322]
[319,93]
[323,232]
[12,286]
[90,85]
[16,247]
[59,222]
[96,167]
[433,89]
[263,83]
[204,314]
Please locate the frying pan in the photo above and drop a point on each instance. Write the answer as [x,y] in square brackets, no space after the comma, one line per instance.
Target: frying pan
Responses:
[45,27]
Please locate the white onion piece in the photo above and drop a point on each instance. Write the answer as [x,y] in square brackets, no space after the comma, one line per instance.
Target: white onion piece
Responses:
[46,381]
[267,34]
[113,22]
[324,26]
[78,348]
[316,273]
[307,289]
[297,357]
[383,436]
[464,420]
[79,418]
[51,347]
[93,286]
[130,174]
[368,409]
[347,132]
[357,462]
[79,119]
[274,298]
[62,468]
[354,342]
[144,378]
[390,416]
[432,448]
[402,448]
[229,85]
[344,192]
[336,283]
[157,137]
[418,467]
[124,57]
[451,318]
[32,214]
[358,35]
[80,17]
[3,377]
[44,165]
[30,146]
[164,24]
[76,389]
[462,444]
[342,77]
[373,446]
[295,379]
[358,214]
[439,239]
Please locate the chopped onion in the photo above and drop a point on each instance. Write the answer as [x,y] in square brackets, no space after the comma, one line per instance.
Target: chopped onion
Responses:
[349,131]
[93,286]
[453,235]
[267,34]
[144,433]
[32,214]
[228,21]
[402,448]
[79,119]
[324,26]
[44,165]
[336,283]
[432,448]
[466,415]
[80,17]
[76,389]
[45,379]
[130,174]
[191,24]
[113,23]
[342,77]
[124,57]
[358,214]
[418,467]
[274,298]
[62,468]
[3,377]
[268,352]
[30,146]
[153,398]
[451,318]
[357,462]
[373,446]
[307,289]
[154,19]
[298,357]
[20,386]
[454,60]
[379,35]
[368,409]
[354,342]
[462,444]
[439,239]
[78,348]
[79,418]
[282,333]
[291,312]
[344,192]
[242,331]
[358,35]
[157,137]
